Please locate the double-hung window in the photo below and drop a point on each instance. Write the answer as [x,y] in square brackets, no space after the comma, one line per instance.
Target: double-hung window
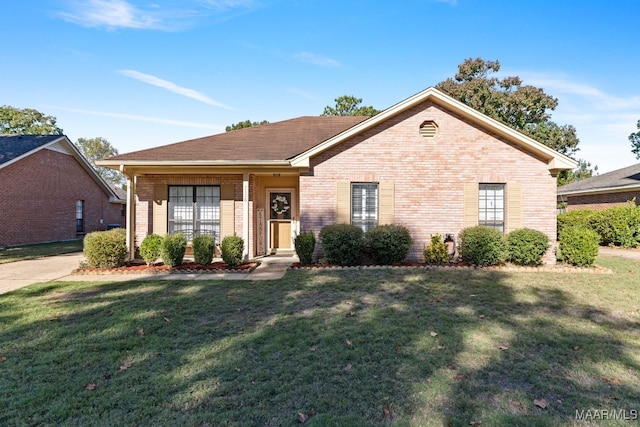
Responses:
[79,216]
[194,210]
[491,206]
[364,205]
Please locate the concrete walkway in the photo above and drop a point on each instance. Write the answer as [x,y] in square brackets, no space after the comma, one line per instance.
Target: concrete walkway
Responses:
[18,274]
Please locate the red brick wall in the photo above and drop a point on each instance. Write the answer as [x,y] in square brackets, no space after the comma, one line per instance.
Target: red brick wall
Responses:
[601,201]
[38,200]
[429,174]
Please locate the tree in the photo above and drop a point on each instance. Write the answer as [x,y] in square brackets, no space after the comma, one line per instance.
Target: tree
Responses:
[583,171]
[349,106]
[245,124]
[524,108]
[634,138]
[27,121]
[94,149]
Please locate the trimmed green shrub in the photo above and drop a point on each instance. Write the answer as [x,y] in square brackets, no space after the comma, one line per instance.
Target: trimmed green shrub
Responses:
[618,225]
[173,249]
[304,244]
[575,218]
[105,249]
[527,246]
[436,251]
[150,248]
[232,248]
[578,246]
[482,246]
[388,244]
[342,244]
[204,247]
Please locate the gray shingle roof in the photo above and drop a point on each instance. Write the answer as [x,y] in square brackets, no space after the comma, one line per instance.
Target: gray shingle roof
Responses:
[13,146]
[625,178]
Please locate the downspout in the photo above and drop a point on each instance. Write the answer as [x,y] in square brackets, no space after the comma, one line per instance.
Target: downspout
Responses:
[130,219]
[245,215]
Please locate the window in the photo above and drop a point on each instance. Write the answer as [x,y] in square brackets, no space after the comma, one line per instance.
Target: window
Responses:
[364,205]
[194,210]
[79,216]
[491,206]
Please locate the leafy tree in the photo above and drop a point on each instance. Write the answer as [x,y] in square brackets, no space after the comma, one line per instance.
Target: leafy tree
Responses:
[94,149]
[524,108]
[349,106]
[245,124]
[583,171]
[27,121]
[634,138]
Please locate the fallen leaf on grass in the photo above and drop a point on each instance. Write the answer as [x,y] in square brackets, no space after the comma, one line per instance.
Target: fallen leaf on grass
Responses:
[440,347]
[514,403]
[434,334]
[540,403]
[140,332]
[109,312]
[3,359]
[348,367]
[481,316]
[302,417]
[576,348]
[460,377]
[125,366]
[351,314]
[313,348]
[387,413]
[452,367]
[503,347]
[615,381]
[349,343]
[91,386]
[475,423]
[166,319]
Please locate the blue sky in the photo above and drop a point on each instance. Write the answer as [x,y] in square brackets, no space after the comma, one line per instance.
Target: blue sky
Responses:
[148,73]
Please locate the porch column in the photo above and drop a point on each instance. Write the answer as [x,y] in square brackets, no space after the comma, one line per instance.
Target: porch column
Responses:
[131,218]
[246,254]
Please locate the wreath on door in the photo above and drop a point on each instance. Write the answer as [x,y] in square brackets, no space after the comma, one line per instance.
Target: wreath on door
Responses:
[280,205]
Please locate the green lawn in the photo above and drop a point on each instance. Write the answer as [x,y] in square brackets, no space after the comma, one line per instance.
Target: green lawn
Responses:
[21,253]
[344,348]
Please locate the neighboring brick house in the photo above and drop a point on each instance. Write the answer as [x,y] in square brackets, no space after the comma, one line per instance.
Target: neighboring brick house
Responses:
[49,192]
[429,163]
[614,188]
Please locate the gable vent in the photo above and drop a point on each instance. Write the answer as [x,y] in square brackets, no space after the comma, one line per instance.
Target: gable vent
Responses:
[429,129]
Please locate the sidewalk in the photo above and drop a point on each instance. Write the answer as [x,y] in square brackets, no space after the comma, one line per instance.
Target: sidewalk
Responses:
[19,274]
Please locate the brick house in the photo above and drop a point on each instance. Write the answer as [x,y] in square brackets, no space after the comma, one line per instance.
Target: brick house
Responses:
[429,163]
[49,192]
[613,188]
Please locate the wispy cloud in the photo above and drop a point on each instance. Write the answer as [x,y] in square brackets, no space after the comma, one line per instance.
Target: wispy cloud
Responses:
[172,87]
[143,118]
[111,14]
[301,93]
[316,59]
[158,15]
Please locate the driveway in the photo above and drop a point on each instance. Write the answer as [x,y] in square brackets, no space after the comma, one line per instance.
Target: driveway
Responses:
[14,275]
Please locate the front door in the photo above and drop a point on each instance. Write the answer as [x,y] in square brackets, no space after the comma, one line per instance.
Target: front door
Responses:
[281,219]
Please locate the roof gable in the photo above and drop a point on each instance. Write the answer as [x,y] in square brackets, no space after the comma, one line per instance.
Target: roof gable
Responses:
[555,160]
[13,148]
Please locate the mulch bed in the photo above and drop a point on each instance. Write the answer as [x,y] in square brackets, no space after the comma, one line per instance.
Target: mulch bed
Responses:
[136,267]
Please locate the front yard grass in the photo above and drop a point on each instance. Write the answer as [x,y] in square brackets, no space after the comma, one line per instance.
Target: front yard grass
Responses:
[334,348]
[24,252]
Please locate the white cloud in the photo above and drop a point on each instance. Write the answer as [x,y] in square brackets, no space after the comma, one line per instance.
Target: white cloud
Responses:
[229,4]
[301,93]
[172,87]
[315,59]
[144,118]
[111,14]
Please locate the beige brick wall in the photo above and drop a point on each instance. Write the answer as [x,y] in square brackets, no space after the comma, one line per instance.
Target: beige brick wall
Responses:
[38,200]
[429,174]
[601,201]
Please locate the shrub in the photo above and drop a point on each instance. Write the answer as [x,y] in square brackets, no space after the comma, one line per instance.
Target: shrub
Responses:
[578,246]
[482,246]
[342,244]
[173,249]
[304,244]
[232,248]
[106,249]
[618,225]
[575,218]
[527,246]
[204,247]
[388,244]
[436,251]
[150,248]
